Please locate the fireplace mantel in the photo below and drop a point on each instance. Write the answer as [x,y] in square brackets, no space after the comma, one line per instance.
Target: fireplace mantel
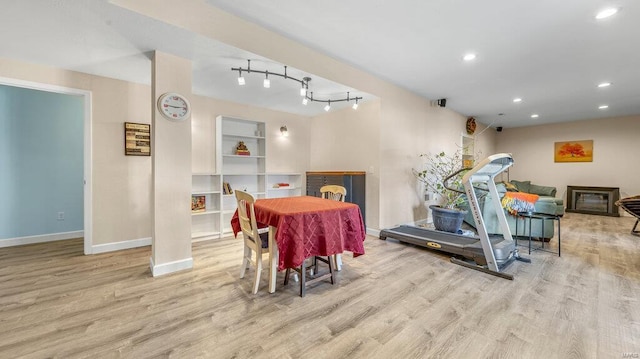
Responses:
[593,200]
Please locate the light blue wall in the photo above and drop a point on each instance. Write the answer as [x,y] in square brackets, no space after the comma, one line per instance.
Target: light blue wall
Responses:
[41,162]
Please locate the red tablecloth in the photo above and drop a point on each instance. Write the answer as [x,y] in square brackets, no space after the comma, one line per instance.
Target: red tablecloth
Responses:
[309,226]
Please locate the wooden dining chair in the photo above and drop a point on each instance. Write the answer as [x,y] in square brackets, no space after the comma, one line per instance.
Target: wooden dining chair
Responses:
[254,242]
[336,193]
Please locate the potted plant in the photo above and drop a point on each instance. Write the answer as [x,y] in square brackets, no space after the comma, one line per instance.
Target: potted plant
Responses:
[438,169]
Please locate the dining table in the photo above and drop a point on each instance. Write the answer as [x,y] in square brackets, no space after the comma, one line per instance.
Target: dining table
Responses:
[301,227]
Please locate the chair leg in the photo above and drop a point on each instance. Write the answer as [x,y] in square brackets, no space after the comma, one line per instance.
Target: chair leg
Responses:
[303,280]
[258,272]
[330,261]
[314,266]
[286,276]
[245,261]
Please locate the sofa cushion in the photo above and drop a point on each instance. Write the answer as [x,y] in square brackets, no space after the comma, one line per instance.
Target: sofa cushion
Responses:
[522,186]
[542,190]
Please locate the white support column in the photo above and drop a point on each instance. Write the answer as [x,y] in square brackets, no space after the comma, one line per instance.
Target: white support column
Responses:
[171,170]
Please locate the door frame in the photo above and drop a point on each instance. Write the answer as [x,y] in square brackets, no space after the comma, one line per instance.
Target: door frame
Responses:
[87,181]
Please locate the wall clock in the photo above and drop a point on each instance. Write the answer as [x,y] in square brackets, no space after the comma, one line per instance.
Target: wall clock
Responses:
[174,106]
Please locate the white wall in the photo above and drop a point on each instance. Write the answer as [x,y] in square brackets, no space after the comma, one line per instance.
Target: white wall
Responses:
[284,154]
[349,140]
[615,150]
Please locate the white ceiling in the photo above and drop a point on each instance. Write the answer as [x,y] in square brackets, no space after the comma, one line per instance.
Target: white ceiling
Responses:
[550,53]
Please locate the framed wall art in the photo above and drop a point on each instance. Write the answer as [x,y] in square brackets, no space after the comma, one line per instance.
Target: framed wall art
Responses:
[137,139]
[574,151]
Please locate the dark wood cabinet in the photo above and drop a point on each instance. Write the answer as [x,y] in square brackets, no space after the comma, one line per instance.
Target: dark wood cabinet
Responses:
[353,181]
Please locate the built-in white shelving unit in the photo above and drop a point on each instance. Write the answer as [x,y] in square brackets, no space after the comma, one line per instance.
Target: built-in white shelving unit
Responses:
[245,172]
[468,150]
[205,224]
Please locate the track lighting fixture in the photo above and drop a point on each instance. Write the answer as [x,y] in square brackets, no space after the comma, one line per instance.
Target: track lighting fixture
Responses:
[304,86]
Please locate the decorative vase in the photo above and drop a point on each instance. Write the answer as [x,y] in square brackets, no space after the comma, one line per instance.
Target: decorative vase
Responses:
[447,220]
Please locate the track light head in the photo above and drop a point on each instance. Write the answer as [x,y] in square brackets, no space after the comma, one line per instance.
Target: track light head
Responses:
[328,106]
[241,81]
[267,82]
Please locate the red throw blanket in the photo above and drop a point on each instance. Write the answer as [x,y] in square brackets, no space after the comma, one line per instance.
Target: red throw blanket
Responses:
[515,202]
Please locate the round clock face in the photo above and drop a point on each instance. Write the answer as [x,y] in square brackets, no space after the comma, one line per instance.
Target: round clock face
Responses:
[174,106]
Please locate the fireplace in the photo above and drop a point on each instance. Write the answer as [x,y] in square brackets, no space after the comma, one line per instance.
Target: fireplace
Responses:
[593,200]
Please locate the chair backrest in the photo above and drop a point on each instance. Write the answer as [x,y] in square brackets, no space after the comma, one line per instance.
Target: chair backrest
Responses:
[333,192]
[247,218]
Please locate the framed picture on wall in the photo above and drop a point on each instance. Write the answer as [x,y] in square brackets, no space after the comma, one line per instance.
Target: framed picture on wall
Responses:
[574,151]
[137,139]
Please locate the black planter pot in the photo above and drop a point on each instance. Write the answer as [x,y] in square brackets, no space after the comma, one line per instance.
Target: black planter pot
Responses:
[447,220]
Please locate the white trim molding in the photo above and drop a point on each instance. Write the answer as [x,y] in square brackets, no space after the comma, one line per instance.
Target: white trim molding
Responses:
[41,238]
[117,246]
[373,232]
[170,267]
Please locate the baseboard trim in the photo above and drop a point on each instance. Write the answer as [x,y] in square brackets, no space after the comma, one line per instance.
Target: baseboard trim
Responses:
[42,238]
[373,232]
[170,267]
[117,246]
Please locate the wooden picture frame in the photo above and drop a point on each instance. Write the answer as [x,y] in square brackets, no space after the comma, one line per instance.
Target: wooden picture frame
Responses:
[573,151]
[137,139]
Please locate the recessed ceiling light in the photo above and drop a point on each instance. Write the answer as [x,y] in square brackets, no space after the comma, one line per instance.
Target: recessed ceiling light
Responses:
[535,115]
[604,84]
[517,99]
[606,13]
[469,57]
[603,107]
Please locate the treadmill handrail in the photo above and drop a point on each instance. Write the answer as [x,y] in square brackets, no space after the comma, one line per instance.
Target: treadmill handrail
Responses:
[445,182]
[492,166]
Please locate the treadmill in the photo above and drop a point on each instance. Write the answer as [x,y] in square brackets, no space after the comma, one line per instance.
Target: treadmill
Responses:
[484,252]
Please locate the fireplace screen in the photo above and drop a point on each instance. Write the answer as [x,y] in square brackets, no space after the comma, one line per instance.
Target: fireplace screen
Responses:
[593,200]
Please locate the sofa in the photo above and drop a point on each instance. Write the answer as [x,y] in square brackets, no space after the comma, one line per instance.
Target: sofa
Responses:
[546,203]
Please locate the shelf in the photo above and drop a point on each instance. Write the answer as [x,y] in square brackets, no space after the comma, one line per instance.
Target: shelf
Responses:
[288,188]
[205,192]
[244,174]
[213,211]
[242,156]
[252,192]
[233,135]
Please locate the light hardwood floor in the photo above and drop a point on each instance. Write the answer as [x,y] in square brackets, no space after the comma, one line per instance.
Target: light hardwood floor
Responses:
[397,301]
